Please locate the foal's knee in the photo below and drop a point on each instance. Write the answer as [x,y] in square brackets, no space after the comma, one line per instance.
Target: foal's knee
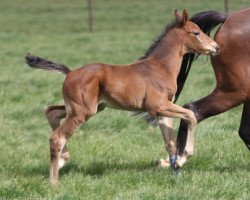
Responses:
[189,106]
[191,118]
[197,113]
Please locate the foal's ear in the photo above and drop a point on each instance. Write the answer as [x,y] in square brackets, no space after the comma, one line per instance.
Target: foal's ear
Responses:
[184,17]
[177,15]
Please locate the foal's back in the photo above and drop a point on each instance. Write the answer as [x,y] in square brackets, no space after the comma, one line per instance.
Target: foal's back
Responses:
[116,84]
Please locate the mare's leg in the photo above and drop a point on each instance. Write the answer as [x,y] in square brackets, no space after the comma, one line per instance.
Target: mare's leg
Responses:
[169,138]
[217,102]
[54,115]
[244,130]
[168,109]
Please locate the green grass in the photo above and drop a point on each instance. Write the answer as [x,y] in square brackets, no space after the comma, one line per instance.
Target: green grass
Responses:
[112,155]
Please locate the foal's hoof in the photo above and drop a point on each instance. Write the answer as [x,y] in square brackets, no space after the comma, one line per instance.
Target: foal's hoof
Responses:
[180,161]
[162,163]
[53,182]
[172,161]
[61,163]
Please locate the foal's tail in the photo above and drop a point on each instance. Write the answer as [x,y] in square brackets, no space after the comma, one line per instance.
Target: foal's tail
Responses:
[207,21]
[40,63]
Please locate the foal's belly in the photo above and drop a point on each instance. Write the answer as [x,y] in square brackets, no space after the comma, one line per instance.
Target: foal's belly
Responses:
[123,102]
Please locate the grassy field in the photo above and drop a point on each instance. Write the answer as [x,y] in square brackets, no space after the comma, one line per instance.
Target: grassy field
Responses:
[112,155]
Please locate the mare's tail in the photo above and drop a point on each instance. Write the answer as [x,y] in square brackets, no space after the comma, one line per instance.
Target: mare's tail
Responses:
[40,63]
[207,21]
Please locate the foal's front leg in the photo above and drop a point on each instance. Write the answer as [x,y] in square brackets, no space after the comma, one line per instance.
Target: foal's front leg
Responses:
[169,138]
[169,109]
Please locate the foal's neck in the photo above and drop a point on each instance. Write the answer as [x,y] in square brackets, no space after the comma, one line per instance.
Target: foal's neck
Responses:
[169,53]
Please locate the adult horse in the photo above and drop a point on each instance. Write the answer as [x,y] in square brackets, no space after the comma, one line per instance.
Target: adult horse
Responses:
[231,68]
[146,85]
[232,71]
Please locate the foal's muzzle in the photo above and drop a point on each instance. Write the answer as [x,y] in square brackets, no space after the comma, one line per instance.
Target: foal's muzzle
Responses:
[215,50]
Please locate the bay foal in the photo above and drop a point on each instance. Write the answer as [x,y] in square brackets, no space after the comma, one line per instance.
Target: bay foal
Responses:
[147,85]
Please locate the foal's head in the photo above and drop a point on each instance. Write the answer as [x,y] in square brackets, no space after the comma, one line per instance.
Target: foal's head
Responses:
[193,37]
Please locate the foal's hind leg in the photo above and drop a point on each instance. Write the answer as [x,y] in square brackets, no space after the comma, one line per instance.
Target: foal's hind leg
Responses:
[54,115]
[244,130]
[79,109]
[76,115]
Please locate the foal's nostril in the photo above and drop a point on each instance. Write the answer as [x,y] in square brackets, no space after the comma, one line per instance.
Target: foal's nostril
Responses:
[217,49]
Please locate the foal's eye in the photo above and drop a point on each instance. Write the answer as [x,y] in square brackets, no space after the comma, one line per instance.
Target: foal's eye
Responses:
[196,33]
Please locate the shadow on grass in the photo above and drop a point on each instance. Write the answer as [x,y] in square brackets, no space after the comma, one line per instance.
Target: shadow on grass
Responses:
[38,170]
[220,169]
[206,165]
[96,168]
[231,168]
[99,168]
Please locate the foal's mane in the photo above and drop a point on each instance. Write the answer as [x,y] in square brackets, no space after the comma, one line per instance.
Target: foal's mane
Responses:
[158,40]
